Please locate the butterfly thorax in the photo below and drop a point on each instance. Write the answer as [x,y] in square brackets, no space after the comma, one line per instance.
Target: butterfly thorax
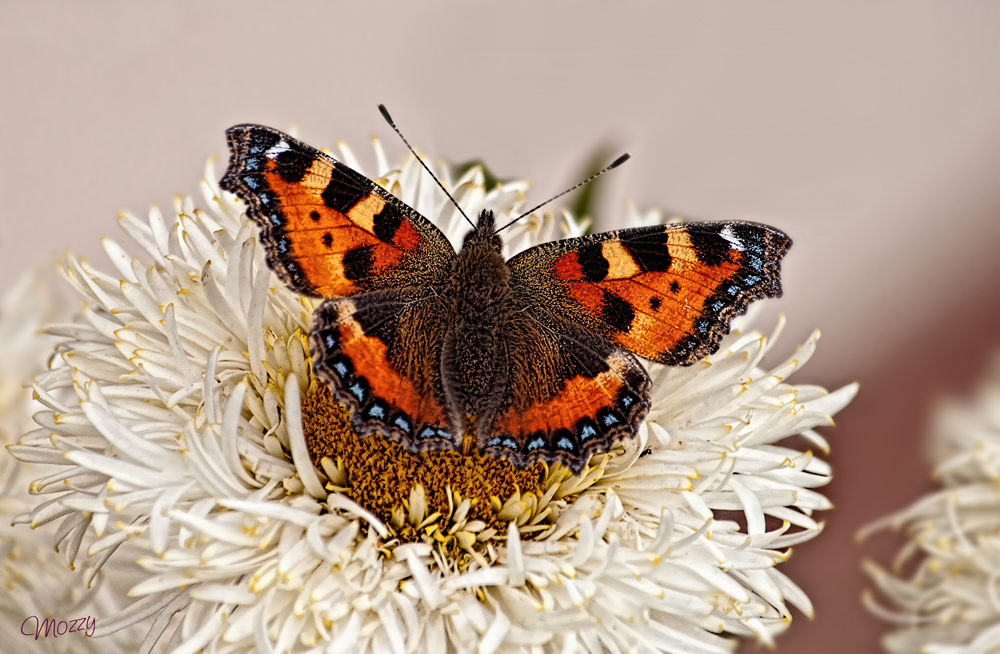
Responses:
[481,300]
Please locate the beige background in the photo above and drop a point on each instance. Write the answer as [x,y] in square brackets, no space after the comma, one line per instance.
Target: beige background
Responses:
[868,130]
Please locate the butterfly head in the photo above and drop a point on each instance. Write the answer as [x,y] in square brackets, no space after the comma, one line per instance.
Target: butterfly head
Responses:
[485,232]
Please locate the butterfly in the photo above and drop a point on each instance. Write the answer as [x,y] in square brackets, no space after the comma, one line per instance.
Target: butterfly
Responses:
[536,357]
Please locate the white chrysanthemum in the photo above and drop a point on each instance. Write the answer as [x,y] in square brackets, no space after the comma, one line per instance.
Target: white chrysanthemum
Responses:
[943,594]
[38,585]
[191,439]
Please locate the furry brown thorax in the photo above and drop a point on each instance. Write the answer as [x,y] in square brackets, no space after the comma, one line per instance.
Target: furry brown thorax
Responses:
[481,301]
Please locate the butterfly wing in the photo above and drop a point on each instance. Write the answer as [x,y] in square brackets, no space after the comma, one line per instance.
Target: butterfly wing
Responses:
[666,293]
[568,394]
[380,354]
[329,231]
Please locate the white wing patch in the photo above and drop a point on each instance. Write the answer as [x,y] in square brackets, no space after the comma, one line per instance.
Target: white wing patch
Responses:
[279,147]
[727,233]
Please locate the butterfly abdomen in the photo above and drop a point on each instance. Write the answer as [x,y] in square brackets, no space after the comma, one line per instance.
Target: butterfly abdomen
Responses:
[481,300]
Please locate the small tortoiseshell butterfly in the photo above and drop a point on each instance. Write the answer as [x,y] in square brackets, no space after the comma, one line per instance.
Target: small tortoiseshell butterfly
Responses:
[415,339]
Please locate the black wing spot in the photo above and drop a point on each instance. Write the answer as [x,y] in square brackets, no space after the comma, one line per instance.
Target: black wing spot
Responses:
[711,248]
[386,222]
[616,312]
[328,240]
[675,287]
[593,265]
[655,302]
[340,195]
[314,215]
[358,263]
[650,252]
[292,165]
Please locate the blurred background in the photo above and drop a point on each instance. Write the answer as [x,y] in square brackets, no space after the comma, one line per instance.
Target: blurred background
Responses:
[868,131]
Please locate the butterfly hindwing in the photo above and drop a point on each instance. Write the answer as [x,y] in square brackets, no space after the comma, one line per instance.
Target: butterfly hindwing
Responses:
[380,354]
[666,293]
[568,394]
[329,231]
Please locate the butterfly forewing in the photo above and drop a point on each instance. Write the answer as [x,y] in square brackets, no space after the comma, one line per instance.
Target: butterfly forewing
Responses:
[666,293]
[328,230]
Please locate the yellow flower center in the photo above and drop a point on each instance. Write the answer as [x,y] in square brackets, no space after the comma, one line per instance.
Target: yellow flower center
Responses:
[439,494]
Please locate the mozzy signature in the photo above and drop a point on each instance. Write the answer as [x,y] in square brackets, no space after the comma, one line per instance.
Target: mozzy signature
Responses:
[56,628]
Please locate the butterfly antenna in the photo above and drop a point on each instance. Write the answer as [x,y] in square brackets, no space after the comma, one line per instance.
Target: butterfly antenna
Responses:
[617,162]
[388,119]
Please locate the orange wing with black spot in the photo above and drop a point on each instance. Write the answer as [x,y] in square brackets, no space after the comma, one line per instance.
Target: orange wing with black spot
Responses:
[666,293]
[329,231]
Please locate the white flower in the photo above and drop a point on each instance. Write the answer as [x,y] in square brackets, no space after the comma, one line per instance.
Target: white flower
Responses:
[197,423]
[948,600]
[38,585]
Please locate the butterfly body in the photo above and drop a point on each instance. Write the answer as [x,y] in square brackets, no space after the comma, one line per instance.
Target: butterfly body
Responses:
[537,354]
[480,302]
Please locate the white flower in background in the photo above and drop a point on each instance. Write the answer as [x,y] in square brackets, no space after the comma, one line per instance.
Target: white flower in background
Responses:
[198,434]
[38,585]
[943,593]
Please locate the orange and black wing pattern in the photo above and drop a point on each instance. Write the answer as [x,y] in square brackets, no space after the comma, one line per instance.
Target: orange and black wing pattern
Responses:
[380,354]
[666,293]
[569,394]
[329,231]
